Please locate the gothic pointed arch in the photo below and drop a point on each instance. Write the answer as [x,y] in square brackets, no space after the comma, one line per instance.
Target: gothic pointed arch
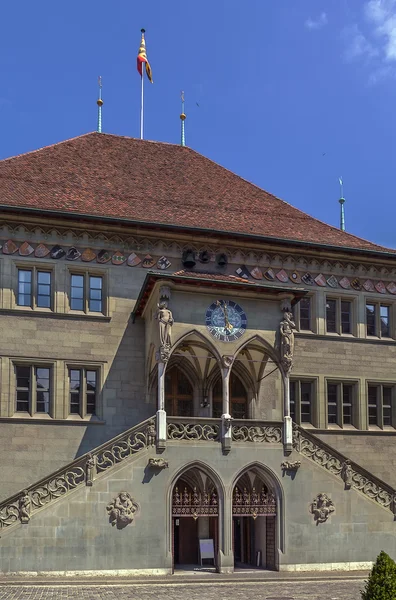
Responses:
[195,501]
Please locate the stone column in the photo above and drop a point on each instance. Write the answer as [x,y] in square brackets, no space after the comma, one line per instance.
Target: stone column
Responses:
[226,428]
[165,321]
[161,414]
[286,331]
[225,556]
[287,420]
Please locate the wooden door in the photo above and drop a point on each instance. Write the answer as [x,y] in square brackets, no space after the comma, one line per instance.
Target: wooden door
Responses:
[188,541]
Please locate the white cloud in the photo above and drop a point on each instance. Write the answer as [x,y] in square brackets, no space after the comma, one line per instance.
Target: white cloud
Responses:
[358,45]
[376,46]
[382,14]
[318,23]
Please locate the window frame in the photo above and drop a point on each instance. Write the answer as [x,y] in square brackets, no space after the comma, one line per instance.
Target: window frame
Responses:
[87,274]
[35,269]
[82,412]
[340,383]
[298,381]
[297,314]
[378,303]
[380,385]
[33,365]
[338,314]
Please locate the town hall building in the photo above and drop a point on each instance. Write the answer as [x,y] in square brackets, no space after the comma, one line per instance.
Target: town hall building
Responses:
[192,371]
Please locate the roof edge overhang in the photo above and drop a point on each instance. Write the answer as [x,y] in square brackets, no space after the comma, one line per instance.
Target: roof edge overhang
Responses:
[152,277]
[200,230]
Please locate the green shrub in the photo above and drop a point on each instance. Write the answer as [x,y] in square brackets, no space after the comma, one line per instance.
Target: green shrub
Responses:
[381,584]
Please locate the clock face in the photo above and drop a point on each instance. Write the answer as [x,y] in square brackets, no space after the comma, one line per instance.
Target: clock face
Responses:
[226,320]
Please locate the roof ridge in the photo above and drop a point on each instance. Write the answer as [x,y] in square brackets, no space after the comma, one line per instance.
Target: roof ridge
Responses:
[83,135]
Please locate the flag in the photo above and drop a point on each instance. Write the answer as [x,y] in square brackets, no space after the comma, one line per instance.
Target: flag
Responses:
[340,180]
[142,58]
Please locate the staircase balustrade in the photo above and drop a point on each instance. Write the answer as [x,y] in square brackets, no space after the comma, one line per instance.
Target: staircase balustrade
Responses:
[82,471]
[352,474]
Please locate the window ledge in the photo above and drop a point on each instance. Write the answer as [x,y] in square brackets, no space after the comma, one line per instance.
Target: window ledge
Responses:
[371,431]
[40,420]
[39,312]
[346,338]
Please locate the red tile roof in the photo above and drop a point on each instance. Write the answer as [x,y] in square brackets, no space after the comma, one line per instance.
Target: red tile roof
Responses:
[104,175]
[210,280]
[203,275]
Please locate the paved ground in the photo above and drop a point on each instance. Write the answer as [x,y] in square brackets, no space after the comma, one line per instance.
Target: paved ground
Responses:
[288,589]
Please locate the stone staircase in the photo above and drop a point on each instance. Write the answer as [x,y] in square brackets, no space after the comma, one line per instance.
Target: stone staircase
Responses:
[91,466]
[21,506]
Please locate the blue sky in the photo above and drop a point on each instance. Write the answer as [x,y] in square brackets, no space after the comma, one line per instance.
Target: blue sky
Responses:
[291,94]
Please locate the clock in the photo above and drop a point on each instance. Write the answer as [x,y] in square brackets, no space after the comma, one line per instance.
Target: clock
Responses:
[226,320]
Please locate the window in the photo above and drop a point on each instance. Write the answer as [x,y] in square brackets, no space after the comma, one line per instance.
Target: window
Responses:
[340,403]
[378,319]
[34,288]
[178,394]
[301,401]
[86,292]
[338,315]
[83,391]
[303,314]
[380,400]
[238,399]
[33,389]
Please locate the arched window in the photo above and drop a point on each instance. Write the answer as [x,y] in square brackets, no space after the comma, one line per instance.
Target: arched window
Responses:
[178,394]
[238,399]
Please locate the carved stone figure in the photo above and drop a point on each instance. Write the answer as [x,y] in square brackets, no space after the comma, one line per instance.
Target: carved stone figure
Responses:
[289,465]
[25,505]
[227,361]
[346,474]
[164,354]
[90,469]
[287,327]
[151,434]
[158,463]
[165,320]
[122,510]
[321,508]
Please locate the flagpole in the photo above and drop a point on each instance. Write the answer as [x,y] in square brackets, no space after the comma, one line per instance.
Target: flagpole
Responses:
[142,97]
[141,108]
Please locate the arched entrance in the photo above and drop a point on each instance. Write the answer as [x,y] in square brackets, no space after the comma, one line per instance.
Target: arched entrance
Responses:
[238,398]
[254,512]
[195,514]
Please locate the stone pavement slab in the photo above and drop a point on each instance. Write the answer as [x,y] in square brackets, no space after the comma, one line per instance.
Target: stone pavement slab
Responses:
[212,589]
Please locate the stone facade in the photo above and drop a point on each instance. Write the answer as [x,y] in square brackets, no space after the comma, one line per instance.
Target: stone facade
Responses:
[233,401]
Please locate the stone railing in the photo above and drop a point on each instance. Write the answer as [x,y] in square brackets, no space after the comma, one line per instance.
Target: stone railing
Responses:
[256,431]
[352,474]
[194,429]
[82,471]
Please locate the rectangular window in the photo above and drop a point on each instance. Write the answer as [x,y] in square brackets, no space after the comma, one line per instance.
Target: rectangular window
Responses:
[43,295]
[338,315]
[77,292]
[302,312]
[346,316]
[305,314]
[95,294]
[331,316]
[380,401]
[340,403]
[83,391]
[301,401]
[34,288]
[378,322]
[86,293]
[24,287]
[33,389]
